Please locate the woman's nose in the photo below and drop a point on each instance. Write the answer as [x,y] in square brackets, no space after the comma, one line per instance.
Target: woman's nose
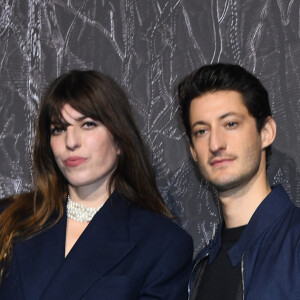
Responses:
[72,138]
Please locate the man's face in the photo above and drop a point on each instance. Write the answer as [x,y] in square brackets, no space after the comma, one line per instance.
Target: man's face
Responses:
[225,142]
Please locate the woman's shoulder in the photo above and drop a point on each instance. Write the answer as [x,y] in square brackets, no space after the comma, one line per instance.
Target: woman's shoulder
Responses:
[146,218]
[5,202]
[153,223]
[159,234]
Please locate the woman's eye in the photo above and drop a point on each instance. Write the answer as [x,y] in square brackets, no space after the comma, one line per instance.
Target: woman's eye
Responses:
[89,124]
[57,130]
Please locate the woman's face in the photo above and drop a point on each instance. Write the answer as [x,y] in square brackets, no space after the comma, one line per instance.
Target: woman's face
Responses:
[84,150]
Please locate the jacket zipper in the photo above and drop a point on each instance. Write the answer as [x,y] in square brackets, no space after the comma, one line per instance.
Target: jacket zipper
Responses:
[242,271]
[190,296]
[189,286]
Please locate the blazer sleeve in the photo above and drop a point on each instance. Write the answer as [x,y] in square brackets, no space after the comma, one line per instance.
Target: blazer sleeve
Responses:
[168,279]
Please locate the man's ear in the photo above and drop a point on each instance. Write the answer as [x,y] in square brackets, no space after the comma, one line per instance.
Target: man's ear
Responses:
[268,132]
[194,154]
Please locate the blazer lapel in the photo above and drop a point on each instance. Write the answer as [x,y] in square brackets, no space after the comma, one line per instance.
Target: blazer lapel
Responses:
[39,258]
[102,245]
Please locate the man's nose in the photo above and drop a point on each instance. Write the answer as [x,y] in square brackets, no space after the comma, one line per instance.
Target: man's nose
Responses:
[217,141]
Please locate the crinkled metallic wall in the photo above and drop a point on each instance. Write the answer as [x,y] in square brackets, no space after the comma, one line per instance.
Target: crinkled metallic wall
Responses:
[148,46]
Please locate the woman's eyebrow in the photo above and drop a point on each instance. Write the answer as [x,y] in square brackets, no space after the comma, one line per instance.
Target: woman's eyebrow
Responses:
[81,118]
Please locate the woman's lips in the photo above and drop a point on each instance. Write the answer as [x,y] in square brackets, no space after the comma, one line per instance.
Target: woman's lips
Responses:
[74,161]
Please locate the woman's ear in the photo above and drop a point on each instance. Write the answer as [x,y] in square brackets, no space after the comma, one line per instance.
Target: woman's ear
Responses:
[117,147]
[268,132]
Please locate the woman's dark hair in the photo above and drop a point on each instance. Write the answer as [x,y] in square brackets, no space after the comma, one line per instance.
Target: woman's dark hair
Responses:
[225,77]
[97,96]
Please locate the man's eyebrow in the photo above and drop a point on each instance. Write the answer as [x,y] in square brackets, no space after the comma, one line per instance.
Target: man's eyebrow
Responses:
[200,122]
[228,115]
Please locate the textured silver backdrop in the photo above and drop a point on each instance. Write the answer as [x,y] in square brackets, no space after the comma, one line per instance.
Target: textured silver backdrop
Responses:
[147,47]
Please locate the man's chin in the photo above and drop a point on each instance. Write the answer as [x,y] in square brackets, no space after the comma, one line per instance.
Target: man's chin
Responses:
[225,185]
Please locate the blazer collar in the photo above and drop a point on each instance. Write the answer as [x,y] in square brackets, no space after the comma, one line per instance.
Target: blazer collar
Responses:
[103,244]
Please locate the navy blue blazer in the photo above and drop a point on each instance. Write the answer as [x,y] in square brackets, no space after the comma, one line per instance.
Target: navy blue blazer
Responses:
[125,253]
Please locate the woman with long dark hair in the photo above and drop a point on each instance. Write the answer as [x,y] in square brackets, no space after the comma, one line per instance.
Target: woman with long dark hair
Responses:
[95,225]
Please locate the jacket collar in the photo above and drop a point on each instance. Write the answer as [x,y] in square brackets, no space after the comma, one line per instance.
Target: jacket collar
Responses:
[103,244]
[271,208]
[212,249]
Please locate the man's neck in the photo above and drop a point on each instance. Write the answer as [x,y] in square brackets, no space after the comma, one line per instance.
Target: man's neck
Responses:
[239,204]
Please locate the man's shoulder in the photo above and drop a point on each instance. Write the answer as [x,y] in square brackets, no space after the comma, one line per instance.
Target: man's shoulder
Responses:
[291,213]
[292,218]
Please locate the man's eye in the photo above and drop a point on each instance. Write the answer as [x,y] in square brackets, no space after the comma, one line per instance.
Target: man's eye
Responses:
[200,132]
[231,124]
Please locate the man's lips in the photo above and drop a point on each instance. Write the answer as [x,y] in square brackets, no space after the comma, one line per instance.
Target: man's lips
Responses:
[74,161]
[221,161]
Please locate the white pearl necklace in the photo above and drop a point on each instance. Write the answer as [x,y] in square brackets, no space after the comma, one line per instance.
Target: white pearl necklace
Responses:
[79,212]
